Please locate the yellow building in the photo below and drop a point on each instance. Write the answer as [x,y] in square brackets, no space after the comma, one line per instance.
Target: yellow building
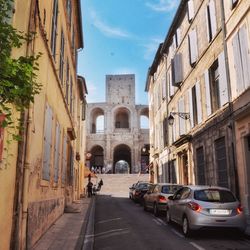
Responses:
[45,173]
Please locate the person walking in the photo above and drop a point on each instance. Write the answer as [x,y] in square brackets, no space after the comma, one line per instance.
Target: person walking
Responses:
[89,188]
[100,183]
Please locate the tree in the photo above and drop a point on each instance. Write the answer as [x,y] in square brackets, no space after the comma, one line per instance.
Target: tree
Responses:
[18,79]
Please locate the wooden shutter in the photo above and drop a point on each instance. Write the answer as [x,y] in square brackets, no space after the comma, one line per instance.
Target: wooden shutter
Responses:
[190,10]
[178,37]
[223,90]
[193,49]
[64,159]
[208,93]
[244,49]
[164,91]
[47,143]
[191,107]
[199,103]
[212,17]
[177,75]
[182,122]
[57,151]
[171,88]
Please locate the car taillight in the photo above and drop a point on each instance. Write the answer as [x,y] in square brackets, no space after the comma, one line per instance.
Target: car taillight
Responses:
[161,198]
[239,209]
[194,206]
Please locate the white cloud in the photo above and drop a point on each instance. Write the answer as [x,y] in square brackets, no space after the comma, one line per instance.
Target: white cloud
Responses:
[151,48]
[107,29]
[163,5]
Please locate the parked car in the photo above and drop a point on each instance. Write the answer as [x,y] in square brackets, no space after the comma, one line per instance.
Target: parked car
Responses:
[157,196]
[140,189]
[131,189]
[197,207]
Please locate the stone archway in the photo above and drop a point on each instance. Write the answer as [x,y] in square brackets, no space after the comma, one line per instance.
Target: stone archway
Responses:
[122,159]
[97,158]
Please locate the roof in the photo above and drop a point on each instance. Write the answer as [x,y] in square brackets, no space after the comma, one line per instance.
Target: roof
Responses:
[82,86]
[80,23]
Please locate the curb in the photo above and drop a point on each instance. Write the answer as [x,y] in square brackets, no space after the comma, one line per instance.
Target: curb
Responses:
[88,242]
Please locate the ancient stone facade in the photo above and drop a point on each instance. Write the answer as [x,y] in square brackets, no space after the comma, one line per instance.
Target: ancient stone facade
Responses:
[116,137]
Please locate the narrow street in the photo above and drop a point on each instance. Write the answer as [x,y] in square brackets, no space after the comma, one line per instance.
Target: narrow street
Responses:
[122,224]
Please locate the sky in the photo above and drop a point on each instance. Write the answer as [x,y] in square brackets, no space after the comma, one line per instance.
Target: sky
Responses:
[121,37]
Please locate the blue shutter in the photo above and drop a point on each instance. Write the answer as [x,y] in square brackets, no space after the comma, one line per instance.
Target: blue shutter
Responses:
[223,90]
[208,94]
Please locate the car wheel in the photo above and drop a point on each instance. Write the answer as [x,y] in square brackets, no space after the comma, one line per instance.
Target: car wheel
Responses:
[185,227]
[156,212]
[168,218]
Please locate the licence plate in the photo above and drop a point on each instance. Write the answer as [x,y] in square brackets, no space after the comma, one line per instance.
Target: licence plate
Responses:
[219,211]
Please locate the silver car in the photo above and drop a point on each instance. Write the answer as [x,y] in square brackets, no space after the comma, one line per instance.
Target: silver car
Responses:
[157,196]
[196,207]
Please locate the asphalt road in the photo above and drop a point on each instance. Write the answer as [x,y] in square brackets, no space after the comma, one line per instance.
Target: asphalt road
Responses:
[121,224]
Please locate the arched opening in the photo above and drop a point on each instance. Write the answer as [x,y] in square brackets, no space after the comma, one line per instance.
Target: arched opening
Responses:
[122,117]
[144,119]
[97,121]
[145,159]
[122,159]
[97,159]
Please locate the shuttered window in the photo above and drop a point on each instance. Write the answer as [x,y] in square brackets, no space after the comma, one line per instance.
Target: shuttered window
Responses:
[193,48]
[47,146]
[221,162]
[208,94]
[177,37]
[177,72]
[61,67]
[182,122]
[200,166]
[71,179]
[57,152]
[165,131]
[69,11]
[64,159]
[164,87]
[2,117]
[233,3]
[191,106]
[54,28]
[190,10]
[211,20]
[194,105]
[71,95]
[214,86]
[67,83]
[241,53]
[170,84]
[199,102]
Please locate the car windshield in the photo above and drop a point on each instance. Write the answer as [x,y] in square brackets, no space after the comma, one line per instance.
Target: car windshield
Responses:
[169,189]
[214,195]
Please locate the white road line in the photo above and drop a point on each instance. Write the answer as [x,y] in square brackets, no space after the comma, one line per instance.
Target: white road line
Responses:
[196,246]
[104,221]
[177,233]
[157,222]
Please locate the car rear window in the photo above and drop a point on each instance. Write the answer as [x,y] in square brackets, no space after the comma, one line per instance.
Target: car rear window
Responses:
[214,195]
[169,189]
[143,185]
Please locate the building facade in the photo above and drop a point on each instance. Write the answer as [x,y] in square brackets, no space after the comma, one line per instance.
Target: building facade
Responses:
[45,173]
[117,140]
[198,89]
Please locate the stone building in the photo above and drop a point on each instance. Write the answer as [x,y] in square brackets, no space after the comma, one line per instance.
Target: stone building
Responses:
[44,170]
[198,86]
[117,138]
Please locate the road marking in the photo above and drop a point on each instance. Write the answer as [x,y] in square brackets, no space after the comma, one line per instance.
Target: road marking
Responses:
[157,222]
[196,246]
[177,233]
[104,221]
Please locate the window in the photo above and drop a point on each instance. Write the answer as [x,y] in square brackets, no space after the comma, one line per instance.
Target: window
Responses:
[47,146]
[177,37]
[211,20]
[54,29]
[67,84]
[233,3]
[71,95]
[73,42]
[165,131]
[200,166]
[190,10]
[2,117]
[57,153]
[61,69]
[182,122]
[241,59]
[221,162]
[176,65]
[193,49]
[84,104]
[194,107]
[214,195]
[69,11]
[214,86]
[64,159]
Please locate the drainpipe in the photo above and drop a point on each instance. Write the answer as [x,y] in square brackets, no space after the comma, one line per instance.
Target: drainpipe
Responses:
[232,124]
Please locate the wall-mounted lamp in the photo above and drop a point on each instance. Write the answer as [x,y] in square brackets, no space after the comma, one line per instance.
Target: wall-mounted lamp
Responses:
[183,115]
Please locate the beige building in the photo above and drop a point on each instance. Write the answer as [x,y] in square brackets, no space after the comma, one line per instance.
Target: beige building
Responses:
[46,168]
[117,135]
[199,81]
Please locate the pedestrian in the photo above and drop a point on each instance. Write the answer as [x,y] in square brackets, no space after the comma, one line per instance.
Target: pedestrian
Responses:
[89,188]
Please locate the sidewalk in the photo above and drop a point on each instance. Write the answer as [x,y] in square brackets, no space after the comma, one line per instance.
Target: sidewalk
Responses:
[69,230]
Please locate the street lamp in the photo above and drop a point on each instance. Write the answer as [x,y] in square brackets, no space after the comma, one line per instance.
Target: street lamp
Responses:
[183,115]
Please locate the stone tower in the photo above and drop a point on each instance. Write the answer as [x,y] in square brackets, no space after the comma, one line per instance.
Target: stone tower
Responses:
[117,140]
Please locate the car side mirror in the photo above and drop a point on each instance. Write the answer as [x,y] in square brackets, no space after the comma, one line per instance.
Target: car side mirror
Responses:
[171,197]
